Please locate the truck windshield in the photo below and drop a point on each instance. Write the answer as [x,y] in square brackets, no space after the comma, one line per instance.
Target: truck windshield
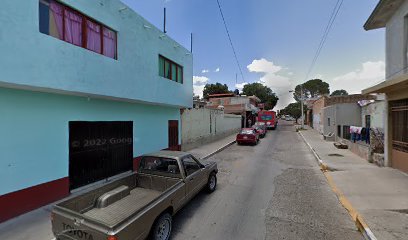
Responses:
[266,117]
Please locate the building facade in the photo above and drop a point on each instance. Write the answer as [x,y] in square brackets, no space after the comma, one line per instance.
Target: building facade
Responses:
[246,106]
[392,15]
[86,87]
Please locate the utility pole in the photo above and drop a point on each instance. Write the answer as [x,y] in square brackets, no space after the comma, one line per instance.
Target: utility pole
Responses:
[301,106]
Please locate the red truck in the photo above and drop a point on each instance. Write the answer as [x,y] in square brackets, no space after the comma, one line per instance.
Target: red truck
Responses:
[269,118]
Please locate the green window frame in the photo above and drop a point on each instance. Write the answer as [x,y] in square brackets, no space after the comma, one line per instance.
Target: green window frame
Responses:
[170,70]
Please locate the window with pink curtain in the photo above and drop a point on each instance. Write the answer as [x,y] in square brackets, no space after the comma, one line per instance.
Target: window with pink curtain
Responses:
[57,11]
[73,27]
[109,43]
[93,36]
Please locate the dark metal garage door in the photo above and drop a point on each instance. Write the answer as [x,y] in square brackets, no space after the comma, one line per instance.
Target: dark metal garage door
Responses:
[98,150]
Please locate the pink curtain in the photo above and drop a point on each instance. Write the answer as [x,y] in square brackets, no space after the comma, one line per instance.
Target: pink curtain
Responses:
[109,43]
[57,12]
[73,27]
[93,36]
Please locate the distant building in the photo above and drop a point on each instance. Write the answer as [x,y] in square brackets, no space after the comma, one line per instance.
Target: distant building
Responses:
[392,15]
[86,88]
[321,119]
[246,106]
[199,103]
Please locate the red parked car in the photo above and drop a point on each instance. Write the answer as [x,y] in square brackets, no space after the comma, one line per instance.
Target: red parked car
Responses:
[248,135]
[261,128]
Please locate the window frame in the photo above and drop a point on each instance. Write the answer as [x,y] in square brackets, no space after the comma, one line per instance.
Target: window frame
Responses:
[85,18]
[171,64]
[159,172]
[200,166]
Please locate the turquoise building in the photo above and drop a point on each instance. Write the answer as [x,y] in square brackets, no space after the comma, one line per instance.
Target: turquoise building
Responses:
[86,87]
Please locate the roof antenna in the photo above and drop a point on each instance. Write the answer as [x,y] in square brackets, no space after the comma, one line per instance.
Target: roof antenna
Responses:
[164,21]
[191,42]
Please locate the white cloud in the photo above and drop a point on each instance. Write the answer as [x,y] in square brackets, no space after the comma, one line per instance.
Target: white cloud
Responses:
[317,76]
[274,79]
[217,70]
[198,90]
[290,73]
[199,84]
[205,71]
[240,86]
[200,80]
[369,74]
[263,66]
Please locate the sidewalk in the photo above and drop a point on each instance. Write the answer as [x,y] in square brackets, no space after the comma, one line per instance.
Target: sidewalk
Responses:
[380,195]
[36,224]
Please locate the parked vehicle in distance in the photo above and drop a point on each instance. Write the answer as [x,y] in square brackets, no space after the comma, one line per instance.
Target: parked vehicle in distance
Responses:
[269,118]
[136,206]
[248,135]
[260,128]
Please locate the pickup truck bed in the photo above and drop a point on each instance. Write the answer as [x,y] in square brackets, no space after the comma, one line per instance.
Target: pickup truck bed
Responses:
[135,205]
[124,208]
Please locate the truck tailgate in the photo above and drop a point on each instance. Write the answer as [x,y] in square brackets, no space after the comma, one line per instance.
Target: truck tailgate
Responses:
[65,226]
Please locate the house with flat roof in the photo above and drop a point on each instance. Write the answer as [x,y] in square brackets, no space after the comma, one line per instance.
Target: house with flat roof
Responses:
[86,87]
[393,16]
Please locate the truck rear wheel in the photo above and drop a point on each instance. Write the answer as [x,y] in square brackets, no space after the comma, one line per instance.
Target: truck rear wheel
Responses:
[162,227]
[212,183]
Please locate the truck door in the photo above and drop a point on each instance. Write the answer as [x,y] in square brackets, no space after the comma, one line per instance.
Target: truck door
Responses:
[195,179]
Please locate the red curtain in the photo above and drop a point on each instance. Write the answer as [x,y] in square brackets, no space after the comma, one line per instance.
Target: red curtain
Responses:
[58,14]
[109,43]
[73,27]
[93,36]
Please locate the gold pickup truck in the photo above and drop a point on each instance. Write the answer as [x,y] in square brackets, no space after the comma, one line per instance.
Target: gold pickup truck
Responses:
[138,206]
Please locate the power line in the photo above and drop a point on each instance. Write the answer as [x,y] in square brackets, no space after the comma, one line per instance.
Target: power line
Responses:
[229,37]
[326,32]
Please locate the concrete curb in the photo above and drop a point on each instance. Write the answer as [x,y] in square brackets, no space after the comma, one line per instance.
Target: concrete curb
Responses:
[357,218]
[219,149]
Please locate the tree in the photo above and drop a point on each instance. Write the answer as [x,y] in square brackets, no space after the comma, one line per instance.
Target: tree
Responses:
[293,109]
[312,88]
[236,92]
[264,93]
[216,88]
[340,92]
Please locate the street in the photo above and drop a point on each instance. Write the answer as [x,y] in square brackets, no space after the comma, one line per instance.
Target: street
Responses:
[274,190]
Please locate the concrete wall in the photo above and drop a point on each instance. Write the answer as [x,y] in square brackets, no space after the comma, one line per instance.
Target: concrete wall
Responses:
[376,110]
[396,42]
[34,132]
[348,114]
[318,105]
[329,113]
[36,61]
[340,114]
[199,126]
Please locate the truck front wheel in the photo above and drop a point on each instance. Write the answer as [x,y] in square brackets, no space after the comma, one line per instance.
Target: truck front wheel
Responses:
[212,183]
[162,227]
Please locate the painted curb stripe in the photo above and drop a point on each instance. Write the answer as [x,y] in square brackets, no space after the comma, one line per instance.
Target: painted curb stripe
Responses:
[357,218]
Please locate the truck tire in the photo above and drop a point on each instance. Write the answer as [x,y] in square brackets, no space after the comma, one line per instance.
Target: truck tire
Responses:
[161,229]
[212,183]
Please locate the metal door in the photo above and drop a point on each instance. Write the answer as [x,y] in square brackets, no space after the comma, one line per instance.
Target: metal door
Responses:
[98,150]
[173,135]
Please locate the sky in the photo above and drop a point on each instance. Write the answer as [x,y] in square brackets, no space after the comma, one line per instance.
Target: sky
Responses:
[275,42]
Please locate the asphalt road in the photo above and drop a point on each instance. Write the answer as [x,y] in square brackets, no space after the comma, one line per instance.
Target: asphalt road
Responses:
[274,190]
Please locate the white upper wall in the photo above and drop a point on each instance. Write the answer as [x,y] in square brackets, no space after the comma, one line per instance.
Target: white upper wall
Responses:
[35,61]
[396,43]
